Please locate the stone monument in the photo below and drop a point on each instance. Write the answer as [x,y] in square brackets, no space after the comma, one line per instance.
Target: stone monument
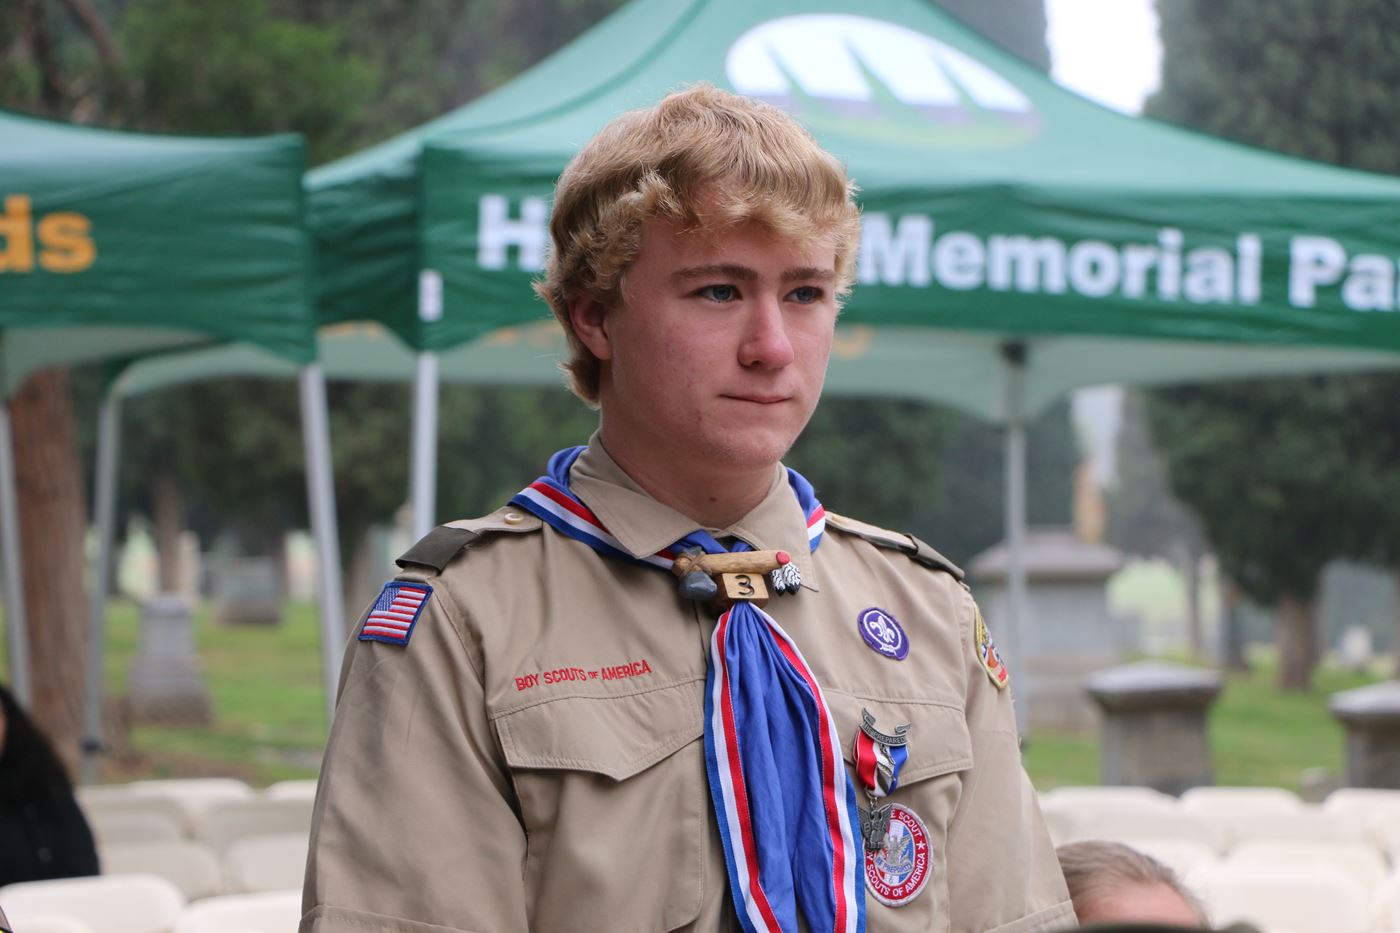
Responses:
[1154,724]
[166,683]
[248,591]
[1371,716]
[1068,632]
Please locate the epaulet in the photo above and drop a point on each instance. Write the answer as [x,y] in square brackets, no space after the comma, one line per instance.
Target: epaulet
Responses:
[917,550]
[438,547]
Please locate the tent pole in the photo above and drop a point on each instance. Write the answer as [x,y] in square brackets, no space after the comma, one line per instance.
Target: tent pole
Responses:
[17,629]
[320,490]
[1014,376]
[423,466]
[105,506]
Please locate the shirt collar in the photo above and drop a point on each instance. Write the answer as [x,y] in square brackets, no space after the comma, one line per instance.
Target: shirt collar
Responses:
[644,526]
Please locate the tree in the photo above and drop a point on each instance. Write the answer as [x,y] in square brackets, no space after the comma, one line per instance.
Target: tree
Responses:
[62,60]
[1312,78]
[1261,464]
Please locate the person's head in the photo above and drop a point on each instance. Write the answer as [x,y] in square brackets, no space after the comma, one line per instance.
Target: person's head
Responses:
[1113,883]
[700,250]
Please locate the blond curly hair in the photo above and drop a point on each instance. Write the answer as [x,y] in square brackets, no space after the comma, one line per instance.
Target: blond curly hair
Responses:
[743,160]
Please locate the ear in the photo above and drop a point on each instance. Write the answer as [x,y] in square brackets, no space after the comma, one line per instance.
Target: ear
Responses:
[588,317]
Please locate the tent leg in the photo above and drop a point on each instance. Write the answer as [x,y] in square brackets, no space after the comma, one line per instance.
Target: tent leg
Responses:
[105,505]
[423,467]
[320,489]
[1014,360]
[17,629]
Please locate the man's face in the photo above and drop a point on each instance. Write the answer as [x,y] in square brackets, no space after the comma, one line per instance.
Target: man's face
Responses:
[719,347]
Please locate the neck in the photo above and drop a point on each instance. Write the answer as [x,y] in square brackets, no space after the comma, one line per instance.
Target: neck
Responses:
[714,498]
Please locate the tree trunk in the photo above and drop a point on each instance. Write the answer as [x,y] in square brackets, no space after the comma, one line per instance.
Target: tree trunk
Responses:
[168,504]
[1232,628]
[52,522]
[1297,643]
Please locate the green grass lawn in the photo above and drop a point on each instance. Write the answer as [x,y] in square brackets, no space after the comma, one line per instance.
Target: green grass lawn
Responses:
[265,683]
[270,725]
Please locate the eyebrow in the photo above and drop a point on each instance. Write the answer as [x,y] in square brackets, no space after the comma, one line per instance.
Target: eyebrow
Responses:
[745,274]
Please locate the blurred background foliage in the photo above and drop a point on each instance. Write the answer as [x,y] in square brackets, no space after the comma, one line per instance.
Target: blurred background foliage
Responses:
[225,458]
[1276,479]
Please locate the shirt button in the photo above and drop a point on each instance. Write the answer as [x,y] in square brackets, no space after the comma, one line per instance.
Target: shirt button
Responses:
[514,518]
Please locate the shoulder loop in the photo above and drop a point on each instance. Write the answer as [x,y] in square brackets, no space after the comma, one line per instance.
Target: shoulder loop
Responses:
[445,542]
[437,548]
[916,549]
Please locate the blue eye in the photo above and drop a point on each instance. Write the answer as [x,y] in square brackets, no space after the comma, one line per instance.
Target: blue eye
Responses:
[806,294]
[720,293]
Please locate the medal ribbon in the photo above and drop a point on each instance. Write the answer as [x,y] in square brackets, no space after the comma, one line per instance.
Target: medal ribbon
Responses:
[785,806]
[878,764]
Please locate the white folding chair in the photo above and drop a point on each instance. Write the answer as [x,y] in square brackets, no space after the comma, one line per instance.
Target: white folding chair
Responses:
[54,923]
[194,795]
[1373,808]
[1359,860]
[109,904]
[117,827]
[277,912]
[1182,856]
[224,823]
[190,866]
[297,790]
[266,863]
[1297,900]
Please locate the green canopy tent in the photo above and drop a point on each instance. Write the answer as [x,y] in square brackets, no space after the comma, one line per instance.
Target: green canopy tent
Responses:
[114,245]
[1019,241]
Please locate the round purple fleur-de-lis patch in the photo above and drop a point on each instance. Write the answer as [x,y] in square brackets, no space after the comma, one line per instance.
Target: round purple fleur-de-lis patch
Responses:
[883,632]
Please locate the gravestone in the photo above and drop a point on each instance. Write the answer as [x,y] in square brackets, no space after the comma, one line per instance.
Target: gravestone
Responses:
[248,591]
[1371,716]
[1154,724]
[165,683]
[1068,631]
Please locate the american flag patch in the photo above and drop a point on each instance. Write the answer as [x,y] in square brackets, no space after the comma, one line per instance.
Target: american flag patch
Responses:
[395,612]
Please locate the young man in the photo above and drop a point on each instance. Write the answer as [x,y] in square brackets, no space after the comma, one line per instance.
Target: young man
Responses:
[550,722]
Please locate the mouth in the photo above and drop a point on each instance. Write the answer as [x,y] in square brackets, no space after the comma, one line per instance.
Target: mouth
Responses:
[760,399]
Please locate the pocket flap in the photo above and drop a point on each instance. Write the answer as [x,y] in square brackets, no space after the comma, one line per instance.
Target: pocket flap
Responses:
[615,736]
[939,742]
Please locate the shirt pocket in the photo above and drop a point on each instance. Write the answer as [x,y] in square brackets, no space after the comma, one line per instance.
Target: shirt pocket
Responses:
[613,796]
[930,786]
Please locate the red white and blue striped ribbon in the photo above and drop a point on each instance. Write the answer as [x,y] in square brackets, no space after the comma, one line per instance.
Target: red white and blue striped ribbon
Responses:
[785,805]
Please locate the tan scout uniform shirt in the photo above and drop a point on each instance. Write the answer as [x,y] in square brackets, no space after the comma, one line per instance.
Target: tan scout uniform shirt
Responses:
[533,758]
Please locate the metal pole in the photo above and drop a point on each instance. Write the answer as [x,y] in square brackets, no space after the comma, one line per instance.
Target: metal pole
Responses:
[1018,628]
[105,505]
[17,630]
[423,467]
[320,490]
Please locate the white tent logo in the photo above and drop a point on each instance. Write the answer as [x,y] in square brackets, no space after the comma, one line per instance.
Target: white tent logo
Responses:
[853,68]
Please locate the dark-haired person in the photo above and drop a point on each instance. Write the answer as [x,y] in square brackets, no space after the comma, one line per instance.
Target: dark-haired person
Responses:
[43,834]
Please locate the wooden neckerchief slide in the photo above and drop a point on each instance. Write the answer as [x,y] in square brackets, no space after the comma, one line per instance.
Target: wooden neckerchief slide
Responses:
[739,573]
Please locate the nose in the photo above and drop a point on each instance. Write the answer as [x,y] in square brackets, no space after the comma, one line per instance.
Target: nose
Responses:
[766,344]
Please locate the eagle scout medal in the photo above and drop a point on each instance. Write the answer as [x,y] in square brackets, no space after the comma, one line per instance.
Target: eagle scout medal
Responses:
[989,656]
[896,872]
[878,758]
[883,633]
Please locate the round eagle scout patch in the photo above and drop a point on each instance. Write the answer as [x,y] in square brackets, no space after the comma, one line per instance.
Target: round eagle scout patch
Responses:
[989,656]
[883,633]
[896,873]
